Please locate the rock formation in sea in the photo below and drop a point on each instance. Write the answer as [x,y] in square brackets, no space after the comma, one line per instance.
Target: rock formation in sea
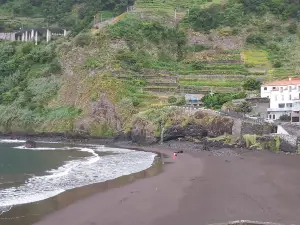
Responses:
[30,144]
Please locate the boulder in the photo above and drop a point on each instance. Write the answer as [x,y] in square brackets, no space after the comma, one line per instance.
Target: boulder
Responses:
[191,130]
[215,125]
[30,144]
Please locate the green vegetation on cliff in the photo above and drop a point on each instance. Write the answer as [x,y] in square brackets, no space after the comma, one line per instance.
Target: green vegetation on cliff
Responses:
[263,24]
[73,14]
[98,81]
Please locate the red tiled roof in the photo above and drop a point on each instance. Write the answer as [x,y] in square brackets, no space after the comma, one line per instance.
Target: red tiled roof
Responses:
[286,82]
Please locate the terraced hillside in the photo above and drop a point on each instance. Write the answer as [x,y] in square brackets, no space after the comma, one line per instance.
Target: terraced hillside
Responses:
[219,59]
[205,67]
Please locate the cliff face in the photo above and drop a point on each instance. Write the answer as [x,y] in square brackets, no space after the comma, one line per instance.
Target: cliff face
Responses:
[178,124]
[89,85]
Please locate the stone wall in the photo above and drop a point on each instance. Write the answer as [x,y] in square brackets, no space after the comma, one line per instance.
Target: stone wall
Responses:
[237,127]
[258,100]
[288,143]
[255,128]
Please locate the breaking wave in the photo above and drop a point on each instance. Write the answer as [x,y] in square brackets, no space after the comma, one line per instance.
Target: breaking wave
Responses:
[75,173]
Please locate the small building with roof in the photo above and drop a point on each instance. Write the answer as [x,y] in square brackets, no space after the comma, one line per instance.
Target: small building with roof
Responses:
[193,99]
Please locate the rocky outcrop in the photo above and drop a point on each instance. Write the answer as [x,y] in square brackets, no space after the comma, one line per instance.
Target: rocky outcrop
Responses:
[101,118]
[30,144]
[214,124]
[122,136]
[143,132]
[190,130]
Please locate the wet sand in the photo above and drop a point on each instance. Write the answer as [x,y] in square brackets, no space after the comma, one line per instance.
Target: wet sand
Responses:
[198,189]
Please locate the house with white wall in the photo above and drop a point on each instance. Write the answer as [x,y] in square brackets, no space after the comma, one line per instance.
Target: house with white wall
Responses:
[284,98]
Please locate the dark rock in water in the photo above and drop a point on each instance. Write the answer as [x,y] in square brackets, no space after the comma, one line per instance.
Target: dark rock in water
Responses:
[30,144]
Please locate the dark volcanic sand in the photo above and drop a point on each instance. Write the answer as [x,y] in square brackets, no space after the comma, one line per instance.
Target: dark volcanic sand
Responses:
[198,189]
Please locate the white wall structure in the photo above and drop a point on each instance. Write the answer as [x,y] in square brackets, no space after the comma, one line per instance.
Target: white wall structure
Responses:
[34,34]
[284,98]
[281,130]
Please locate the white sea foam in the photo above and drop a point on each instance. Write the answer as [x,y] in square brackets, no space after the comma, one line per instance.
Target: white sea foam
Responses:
[47,148]
[12,141]
[77,173]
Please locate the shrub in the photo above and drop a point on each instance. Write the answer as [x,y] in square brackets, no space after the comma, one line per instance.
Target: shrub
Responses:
[285,117]
[199,47]
[82,39]
[277,64]
[197,65]
[172,99]
[218,99]
[249,139]
[181,101]
[256,39]
[251,84]
[292,28]
[244,107]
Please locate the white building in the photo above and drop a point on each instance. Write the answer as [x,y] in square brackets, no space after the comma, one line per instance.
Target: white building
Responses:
[284,98]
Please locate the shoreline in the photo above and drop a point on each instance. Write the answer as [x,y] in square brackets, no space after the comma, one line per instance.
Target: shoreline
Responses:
[23,214]
[199,188]
[109,196]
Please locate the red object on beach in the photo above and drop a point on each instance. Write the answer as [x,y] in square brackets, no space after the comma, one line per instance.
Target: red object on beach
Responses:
[174,155]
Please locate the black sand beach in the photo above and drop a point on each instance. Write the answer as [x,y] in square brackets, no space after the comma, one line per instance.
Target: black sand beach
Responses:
[198,188]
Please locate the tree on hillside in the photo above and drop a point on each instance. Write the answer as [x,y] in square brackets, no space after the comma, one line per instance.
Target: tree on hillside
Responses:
[244,107]
[251,84]
[218,99]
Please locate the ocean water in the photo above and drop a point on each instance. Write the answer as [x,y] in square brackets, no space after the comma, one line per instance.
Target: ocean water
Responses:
[32,175]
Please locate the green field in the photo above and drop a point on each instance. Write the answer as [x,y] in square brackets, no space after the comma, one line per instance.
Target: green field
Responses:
[213,83]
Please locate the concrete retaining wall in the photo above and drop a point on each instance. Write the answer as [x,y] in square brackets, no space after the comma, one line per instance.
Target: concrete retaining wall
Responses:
[7,36]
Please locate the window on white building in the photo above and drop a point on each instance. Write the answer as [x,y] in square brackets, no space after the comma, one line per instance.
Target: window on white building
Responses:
[273,117]
[290,88]
[281,105]
[290,97]
[265,88]
[289,105]
[274,88]
[270,116]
